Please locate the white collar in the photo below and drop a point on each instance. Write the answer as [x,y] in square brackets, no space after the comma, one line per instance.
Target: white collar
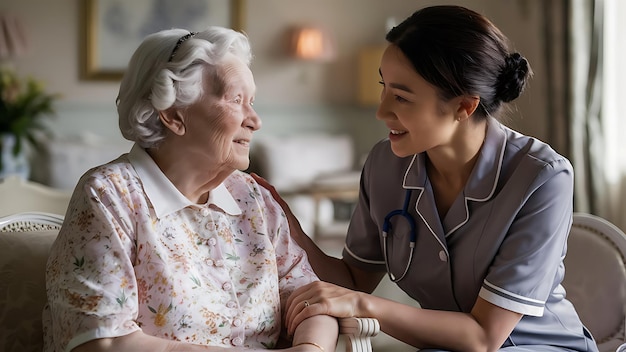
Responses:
[164,196]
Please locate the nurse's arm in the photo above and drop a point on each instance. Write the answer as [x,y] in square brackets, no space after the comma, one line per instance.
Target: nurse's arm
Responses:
[331,269]
[338,271]
[327,268]
[484,329]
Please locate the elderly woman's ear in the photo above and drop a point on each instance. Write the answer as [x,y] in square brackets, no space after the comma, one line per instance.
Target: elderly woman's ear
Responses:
[173,120]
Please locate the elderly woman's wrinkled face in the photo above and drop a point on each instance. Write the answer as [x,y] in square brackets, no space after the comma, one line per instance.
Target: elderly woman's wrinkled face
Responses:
[220,124]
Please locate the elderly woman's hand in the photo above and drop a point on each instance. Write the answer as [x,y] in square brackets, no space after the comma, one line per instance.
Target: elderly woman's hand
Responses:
[315,334]
[138,342]
[304,348]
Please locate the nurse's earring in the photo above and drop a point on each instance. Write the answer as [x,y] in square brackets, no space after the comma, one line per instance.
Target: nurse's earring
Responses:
[467,106]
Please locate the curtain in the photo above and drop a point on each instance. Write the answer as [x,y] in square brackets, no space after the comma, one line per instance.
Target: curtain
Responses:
[555,23]
[557,67]
[614,206]
[586,129]
[574,58]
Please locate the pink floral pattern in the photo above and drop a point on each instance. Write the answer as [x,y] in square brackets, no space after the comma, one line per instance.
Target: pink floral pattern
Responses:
[197,274]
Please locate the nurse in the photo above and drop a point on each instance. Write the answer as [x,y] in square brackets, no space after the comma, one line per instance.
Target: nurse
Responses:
[467,216]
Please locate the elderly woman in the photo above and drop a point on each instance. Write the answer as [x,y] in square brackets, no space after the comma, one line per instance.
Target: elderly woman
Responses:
[170,247]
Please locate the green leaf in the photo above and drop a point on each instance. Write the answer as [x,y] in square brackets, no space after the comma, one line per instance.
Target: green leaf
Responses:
[24,105]
[232,256]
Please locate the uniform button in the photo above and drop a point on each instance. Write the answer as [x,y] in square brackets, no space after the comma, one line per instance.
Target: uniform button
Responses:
[226,286]
[231,304]
[237,341]
[219,263]
[204,212]
[237,322]
[443,256]
[212,241]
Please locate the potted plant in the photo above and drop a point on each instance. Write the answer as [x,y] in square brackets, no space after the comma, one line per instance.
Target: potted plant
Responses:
[23,106]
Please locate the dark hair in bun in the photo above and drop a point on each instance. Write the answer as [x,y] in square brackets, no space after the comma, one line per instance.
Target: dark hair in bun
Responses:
[460,51]
[513,77]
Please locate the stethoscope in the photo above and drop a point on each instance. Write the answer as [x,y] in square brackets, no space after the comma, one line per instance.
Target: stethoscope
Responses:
[404,212]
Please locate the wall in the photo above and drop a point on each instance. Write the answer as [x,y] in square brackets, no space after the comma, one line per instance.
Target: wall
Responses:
[293,97]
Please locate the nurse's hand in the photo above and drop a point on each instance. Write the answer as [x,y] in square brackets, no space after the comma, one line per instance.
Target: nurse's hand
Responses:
[321,297]
[294,225]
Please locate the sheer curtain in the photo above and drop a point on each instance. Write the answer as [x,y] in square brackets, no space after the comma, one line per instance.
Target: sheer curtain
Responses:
[614,208]
[586,29]
[582,52]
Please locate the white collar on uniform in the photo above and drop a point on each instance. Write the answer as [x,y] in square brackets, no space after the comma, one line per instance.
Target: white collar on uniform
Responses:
[164,196]
[484,178]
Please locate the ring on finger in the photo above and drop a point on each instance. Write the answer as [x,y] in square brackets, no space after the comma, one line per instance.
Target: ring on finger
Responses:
[306,304]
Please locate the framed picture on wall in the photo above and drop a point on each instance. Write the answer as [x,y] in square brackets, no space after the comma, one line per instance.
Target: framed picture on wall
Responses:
[113,29]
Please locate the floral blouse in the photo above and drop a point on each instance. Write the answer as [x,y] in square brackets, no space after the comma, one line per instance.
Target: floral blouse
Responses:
[135,254]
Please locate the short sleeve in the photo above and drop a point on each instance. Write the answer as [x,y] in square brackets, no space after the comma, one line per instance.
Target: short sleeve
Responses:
[363,248]
[91,284]
[529,263]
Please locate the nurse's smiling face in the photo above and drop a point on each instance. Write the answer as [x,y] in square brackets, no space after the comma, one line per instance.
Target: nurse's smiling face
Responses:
[417,118]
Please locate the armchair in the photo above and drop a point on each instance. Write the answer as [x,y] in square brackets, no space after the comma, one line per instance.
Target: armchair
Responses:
[595,278]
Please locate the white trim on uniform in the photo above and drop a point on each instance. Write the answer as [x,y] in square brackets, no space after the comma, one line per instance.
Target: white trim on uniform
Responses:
[511,301]
[368,261]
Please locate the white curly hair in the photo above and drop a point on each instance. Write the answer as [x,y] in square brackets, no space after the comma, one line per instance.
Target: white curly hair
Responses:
[166,70]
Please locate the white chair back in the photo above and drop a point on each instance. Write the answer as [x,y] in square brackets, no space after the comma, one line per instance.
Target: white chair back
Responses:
[30,221]
[595,278]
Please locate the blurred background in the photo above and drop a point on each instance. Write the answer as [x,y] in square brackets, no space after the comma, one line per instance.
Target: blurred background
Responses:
[315,67]
[294,95]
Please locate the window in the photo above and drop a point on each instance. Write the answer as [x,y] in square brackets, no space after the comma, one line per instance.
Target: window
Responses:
[614,97]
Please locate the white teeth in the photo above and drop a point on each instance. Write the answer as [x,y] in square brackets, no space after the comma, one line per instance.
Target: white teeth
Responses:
[397,132]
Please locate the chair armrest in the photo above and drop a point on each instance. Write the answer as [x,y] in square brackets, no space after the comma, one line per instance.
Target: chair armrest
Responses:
[358,332]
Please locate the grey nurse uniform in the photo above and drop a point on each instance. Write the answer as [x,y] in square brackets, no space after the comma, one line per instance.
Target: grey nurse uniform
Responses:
[503,239]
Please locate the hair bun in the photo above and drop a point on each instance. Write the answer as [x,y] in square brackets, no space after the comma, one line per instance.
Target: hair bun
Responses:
[512,78]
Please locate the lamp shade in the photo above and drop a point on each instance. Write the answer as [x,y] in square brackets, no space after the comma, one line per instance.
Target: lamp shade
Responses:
[310,43]
[12,37]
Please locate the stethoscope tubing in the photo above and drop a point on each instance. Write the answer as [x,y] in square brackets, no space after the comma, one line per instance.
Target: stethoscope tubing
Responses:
[404,212]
